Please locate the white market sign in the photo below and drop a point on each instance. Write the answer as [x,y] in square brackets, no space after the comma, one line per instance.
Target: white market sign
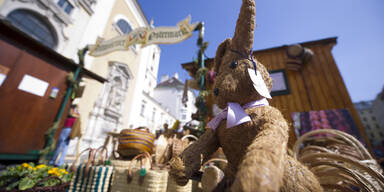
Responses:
[145,36]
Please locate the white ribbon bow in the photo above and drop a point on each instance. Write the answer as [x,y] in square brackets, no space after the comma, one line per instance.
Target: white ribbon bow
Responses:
[235,114]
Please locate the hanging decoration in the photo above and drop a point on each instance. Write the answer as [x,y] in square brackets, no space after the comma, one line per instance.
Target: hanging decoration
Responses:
[200,78]
[184,99]
[203,77]
[298,56]
[145,36]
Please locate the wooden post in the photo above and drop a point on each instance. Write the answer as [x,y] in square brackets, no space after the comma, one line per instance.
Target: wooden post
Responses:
[52,131]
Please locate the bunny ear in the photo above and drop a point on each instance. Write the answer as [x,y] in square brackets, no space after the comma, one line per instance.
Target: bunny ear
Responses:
[243,38]
[220,52]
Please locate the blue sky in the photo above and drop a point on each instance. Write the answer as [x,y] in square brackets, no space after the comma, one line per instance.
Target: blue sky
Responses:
[359,26]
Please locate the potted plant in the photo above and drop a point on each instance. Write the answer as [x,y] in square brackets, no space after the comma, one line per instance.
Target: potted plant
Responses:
[29,177]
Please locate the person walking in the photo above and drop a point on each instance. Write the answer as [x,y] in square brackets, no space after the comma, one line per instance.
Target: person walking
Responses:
[71,126]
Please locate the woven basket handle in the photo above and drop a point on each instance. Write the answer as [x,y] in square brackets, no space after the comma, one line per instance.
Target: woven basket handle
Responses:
[177,146]
[143,155]
[115,154]
[130,166]
[214,160]
[143,128]
[336,157]
[99,153]
[344,136]
[47,178]
[89,162]
[360,180]
[189,136]
[164,155]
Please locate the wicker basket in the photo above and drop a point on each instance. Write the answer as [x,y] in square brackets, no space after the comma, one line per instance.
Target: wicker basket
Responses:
[89,163]
[178,145]
[334,137]
[128,179]
[196,186]
[212,175]
[61,187]
[339,161]
[135,141]
[89,176]
[172,186]
[174,148]
[194,138]
[117,163]
[336,169]
[101,156]
[160,149]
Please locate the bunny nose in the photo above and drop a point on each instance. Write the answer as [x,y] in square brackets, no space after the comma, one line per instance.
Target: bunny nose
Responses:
[216,91]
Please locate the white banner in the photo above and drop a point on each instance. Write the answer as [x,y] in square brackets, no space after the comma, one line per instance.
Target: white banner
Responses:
[145,36]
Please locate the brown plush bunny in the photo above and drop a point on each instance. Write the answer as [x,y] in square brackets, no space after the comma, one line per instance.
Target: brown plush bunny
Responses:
[254,142]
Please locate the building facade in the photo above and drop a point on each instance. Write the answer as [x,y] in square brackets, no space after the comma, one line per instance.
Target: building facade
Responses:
[64,26]
[371,114]
[69,25]
[153,114]
[58,24]
[169,92]
[378,108]
[131,78]
[33,84]
[372,128]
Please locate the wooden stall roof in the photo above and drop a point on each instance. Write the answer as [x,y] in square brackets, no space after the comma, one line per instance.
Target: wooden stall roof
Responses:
[192,67]
[317,86]
[18,38]
[326,41]
[209,61]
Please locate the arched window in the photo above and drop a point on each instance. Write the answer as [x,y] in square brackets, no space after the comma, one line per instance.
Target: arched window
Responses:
[124,26]
[34,25]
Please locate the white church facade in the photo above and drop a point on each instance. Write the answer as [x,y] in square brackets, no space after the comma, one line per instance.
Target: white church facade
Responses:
[131,97]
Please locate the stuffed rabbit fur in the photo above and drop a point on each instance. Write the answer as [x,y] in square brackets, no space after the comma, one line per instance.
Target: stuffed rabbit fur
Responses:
[256,150]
